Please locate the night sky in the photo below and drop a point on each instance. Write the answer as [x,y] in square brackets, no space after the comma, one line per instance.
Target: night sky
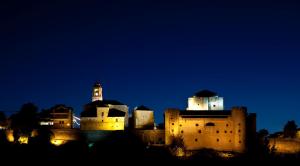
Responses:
[152,53]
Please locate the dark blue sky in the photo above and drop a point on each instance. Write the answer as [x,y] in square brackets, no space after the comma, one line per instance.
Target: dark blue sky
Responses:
[153,53]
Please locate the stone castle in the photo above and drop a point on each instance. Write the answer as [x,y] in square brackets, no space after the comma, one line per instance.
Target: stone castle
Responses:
[203,124]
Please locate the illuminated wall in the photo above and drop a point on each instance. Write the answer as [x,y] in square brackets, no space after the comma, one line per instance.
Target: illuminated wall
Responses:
[285,145]
[205,103]
[151,137]
[62,136]
[102,121]
[143,119]
[123,108]
[219,132]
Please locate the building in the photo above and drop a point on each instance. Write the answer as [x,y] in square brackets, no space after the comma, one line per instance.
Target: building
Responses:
[57,117]
[222,130]
[205,100]
[103,114]
[143,118]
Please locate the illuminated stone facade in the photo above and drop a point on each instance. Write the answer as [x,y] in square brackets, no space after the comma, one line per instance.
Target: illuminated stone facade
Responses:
[143,118]
[223,130]
[103,118]
[57,117]
[205,100]
[102,114]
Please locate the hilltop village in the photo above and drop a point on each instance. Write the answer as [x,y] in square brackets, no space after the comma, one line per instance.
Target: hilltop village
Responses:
[203,125]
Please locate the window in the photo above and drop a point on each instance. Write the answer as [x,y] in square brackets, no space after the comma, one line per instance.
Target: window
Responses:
[173,124]
[239,131]
[217,131]
[173,130]
[199,131]
[197,124]
[181,131]
[227,125]
[229,140]
[116,120]
[225,131]
[240,142]
[214,105]
[180,125]
[102,120]
[239,124]
[196,140]
[102,113]
[231,132]
[209,124]
[218,140]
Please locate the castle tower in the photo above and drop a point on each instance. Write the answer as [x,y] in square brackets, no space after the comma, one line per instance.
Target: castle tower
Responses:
[97,92]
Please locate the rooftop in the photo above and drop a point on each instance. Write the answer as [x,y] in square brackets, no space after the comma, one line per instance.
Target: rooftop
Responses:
[205,93]
[142,107]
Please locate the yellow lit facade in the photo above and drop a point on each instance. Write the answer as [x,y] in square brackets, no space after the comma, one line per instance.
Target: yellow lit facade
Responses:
[222,130]
[105,120]
[102,114]
[143,118]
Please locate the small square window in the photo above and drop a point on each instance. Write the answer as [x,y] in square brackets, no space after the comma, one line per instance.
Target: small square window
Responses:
[173,124]
[196,140]
[197,124]
[225,131]
[199,131]
[181,131]
[218,140]
[217,131]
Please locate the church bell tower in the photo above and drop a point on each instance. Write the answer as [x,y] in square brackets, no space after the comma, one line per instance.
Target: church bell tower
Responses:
[97,92]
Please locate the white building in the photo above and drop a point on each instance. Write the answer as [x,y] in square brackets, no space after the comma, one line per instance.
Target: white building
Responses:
[205,100]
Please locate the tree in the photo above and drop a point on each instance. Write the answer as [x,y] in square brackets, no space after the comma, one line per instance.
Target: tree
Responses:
[3,121]
[290,129]
[262,149]
[25,120]
[2,116]
[177,147]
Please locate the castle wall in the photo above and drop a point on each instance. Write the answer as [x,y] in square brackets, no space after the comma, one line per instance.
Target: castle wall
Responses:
[219,133]
[102,121]
[171,125]
[151,137]
[197,134]
[123,108]
[239,123]
[143,119]
[285,145]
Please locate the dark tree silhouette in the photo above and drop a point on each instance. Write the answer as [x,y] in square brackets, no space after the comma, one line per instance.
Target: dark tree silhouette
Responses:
[2,116]
[3,119]
[263,150]
[290,129]
[25,120]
